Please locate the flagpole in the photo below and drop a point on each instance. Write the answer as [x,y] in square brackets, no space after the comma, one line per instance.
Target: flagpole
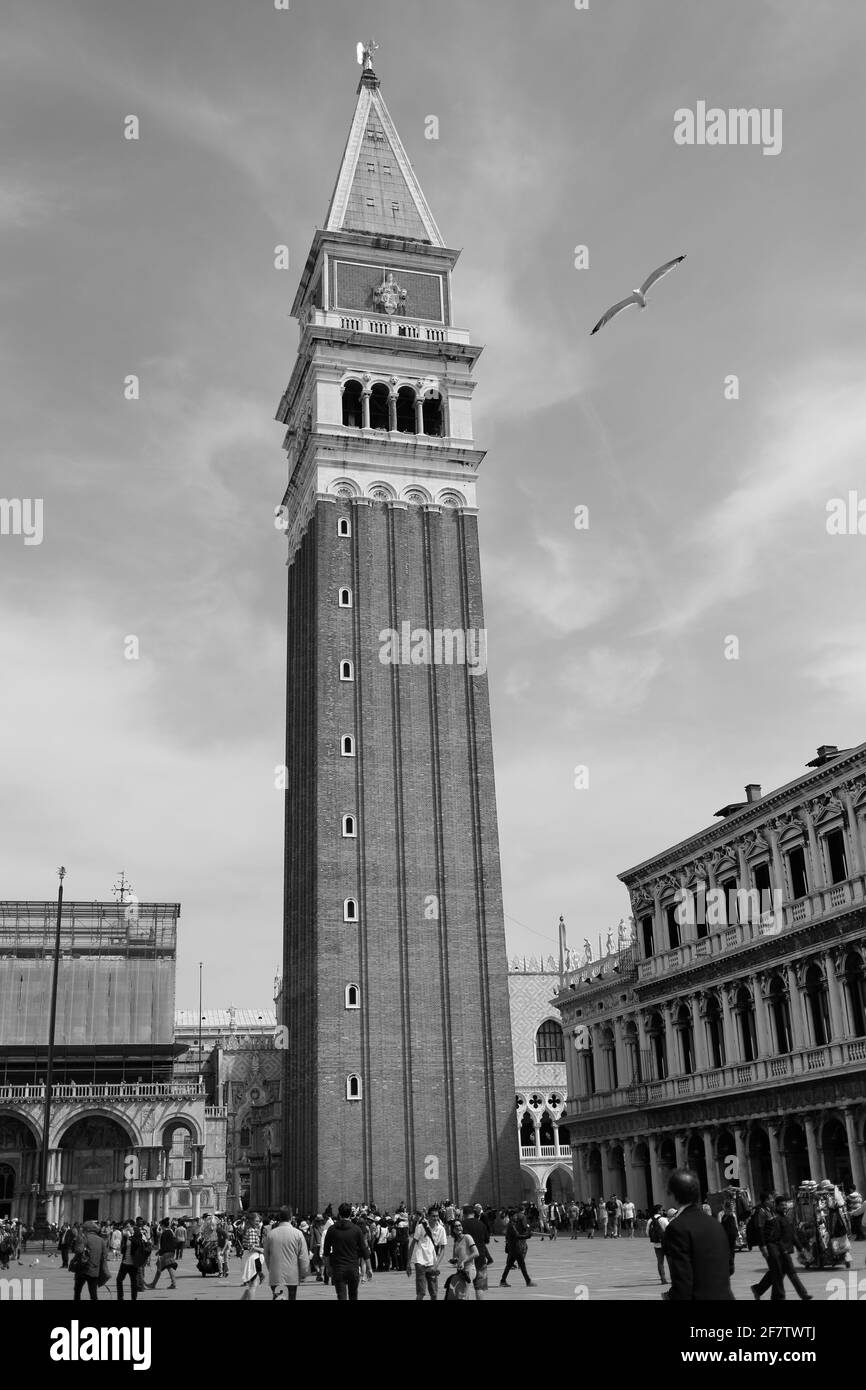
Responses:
[42,1197]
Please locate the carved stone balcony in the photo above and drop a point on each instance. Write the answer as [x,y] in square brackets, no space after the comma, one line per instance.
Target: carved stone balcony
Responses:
[383,326]
[832,1058]
[820,904]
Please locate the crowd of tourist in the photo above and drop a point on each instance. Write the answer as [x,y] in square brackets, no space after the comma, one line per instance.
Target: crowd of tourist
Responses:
[448,1251]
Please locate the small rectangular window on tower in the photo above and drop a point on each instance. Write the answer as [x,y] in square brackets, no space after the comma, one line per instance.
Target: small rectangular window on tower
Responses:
[371,202]
[371,168]
[386,168]
[395,207]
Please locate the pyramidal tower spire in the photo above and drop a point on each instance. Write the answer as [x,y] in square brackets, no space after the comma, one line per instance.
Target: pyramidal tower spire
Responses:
[399,1079]
[376,189]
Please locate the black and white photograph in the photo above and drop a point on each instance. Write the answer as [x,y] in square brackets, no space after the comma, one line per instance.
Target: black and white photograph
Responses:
[433,697]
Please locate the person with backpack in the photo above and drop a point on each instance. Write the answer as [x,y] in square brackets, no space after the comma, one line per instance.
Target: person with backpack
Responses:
[425,1253]
[89,1260]
[655,1229]
[613,1207]
[133,1254]
[475,1226]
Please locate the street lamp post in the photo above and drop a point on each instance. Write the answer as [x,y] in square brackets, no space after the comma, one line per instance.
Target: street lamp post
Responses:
[41,1225]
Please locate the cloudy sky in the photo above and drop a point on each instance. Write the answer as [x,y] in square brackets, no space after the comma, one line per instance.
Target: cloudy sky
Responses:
[607,646]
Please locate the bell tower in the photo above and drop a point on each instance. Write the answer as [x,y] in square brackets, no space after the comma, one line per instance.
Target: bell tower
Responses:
[399,1079]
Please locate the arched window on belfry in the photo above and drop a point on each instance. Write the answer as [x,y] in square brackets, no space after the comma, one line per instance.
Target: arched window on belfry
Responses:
[352,404]
[432,415]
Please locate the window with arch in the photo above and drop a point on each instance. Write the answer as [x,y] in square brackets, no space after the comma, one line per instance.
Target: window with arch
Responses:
[353,1087]
[715,1031]
[350,910]
[646,927]
[344,526]
[349,828]
[777,996]
[245,1138]
[347,746]
[379,409]
[406,410]
[432,415]
[353,996]
[658,1045]
[687,1048]
[347,671]
[835,856]
[762,881]
[352,415]
[345,598]
[797,872]
[819,1006]
[673,926]
[745,1010]
[549,1046]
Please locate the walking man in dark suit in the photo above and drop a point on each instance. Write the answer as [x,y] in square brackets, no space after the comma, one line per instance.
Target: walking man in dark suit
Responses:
[695,1246]
[782,1237]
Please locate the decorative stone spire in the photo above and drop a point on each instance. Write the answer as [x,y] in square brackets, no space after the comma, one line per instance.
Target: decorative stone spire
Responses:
[377,191]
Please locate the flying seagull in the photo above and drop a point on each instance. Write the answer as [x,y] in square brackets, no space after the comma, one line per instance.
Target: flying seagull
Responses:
[638,296]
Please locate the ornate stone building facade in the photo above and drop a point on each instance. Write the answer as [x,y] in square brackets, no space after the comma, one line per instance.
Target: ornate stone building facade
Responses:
[127,1137]
[730,1034]
[242,1067]
[540,1080]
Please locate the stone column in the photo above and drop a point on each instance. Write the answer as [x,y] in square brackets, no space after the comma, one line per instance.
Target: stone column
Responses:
[796,1002]
[576,1173]
[743,880]
[419,415]
[536,1136]
[815,1163]
[659,941]
[699,1034]
[838,1026]
[671,1048]
[761,1025]
[392,410]
[681,1142]
[854,840]
[780,1176]
[778,866]
[857,1170]
[744,1170]
[713,1182]
[655,1171]
[729,1028]
[816,877]
[365,409]
[556,1150]
[622,1064]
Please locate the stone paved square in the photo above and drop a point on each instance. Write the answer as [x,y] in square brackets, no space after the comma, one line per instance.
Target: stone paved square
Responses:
[608,1270]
